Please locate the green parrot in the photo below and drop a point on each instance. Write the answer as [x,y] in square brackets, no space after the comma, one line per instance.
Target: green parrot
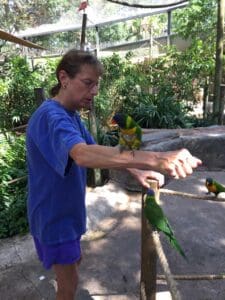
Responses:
[130,132]
[213,186]
[154,214]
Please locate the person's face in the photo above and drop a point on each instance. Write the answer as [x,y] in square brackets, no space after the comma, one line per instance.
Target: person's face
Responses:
[80,90]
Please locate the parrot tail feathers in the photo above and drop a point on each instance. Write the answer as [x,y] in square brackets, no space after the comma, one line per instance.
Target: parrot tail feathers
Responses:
[174,243]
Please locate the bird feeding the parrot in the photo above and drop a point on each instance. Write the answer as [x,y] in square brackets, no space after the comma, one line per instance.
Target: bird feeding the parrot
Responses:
[213,186]
[159,222]
[130,135]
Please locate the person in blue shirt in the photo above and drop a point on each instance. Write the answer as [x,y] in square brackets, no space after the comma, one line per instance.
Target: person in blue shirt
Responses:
[59,149]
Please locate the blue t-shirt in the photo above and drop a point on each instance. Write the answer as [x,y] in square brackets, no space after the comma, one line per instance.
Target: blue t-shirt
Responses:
[56,184]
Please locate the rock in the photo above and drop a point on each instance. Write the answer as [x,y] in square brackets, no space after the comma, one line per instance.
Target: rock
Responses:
[206,143]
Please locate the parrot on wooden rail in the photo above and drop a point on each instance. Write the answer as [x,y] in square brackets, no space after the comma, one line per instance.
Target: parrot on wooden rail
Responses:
[213,186]
[130,132]
[159,222]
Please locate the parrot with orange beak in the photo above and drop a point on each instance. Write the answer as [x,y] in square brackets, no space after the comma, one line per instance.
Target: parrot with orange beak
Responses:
[130,132]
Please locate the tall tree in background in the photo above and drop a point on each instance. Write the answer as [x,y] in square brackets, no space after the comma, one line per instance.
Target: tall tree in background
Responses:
[202,22]
[218,105]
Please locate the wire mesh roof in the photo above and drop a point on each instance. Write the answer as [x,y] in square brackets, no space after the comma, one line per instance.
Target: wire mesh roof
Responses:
[102,13]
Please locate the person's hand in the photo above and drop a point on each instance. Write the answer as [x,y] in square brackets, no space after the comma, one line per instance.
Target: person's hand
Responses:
[142,177]
[179,163]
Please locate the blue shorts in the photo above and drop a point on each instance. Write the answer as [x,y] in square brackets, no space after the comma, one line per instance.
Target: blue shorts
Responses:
[63,253]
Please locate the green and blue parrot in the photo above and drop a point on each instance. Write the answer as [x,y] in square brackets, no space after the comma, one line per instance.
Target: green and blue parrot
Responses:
[130,132]
[213,186]
[159,222]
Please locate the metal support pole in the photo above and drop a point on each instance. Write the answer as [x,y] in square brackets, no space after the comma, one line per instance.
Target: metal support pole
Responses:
[169,28]
[83,31]
[97,40]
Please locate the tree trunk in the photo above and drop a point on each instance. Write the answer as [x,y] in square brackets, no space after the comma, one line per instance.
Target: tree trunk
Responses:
[218,104]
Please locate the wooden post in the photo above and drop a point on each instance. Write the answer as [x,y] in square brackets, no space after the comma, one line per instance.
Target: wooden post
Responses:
[94,131]
[148,253]
[39,95]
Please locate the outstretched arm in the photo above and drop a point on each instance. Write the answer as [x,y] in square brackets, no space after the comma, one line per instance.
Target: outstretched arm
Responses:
[177,164]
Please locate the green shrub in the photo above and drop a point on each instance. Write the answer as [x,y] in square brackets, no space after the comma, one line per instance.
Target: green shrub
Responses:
[17,89]
[13,219]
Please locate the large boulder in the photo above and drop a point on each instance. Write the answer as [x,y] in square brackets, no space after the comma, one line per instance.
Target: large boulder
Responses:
[207,143]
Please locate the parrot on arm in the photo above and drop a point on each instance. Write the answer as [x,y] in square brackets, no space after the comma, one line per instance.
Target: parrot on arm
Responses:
[159,222]
[130,132]
[213,186]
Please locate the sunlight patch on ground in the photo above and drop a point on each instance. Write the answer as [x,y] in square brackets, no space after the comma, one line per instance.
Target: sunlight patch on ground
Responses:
[112,297]
[222,242]
[95,286]
[163,295]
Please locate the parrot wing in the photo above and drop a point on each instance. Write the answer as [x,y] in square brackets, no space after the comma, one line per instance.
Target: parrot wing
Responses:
[158,220]
[156,217]
[219,187]
[139,132]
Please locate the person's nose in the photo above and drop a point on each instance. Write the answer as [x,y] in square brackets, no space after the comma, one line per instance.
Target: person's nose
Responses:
[94,90]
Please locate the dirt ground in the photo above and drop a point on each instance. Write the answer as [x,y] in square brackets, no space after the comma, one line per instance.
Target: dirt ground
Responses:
[111,263]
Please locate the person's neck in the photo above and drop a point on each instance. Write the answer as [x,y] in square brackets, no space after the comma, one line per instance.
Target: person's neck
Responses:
[66,104]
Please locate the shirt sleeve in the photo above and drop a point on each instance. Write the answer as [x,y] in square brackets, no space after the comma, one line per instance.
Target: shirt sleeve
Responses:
[86,134]
[55,134]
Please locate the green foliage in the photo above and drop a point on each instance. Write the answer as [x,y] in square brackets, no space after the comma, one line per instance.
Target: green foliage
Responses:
[162,111]
[105,101]
[154,92]
[18,14]
[113,33]
[197,20]
[13,196]
[17,84]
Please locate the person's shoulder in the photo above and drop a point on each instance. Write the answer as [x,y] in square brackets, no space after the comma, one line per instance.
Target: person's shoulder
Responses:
[48,109]
[50,106]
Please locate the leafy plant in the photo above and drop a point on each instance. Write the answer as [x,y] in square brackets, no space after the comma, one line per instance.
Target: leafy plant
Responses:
[162,112]
[13,218]
[17,89]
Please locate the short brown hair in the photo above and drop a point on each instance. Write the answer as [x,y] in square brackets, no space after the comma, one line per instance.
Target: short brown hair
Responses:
[72,62]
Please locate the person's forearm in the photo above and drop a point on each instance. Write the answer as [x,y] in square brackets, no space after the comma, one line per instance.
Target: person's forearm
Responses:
[178,163]
[103,157]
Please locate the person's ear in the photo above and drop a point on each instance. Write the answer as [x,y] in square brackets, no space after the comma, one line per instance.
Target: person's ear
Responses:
[63,78]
